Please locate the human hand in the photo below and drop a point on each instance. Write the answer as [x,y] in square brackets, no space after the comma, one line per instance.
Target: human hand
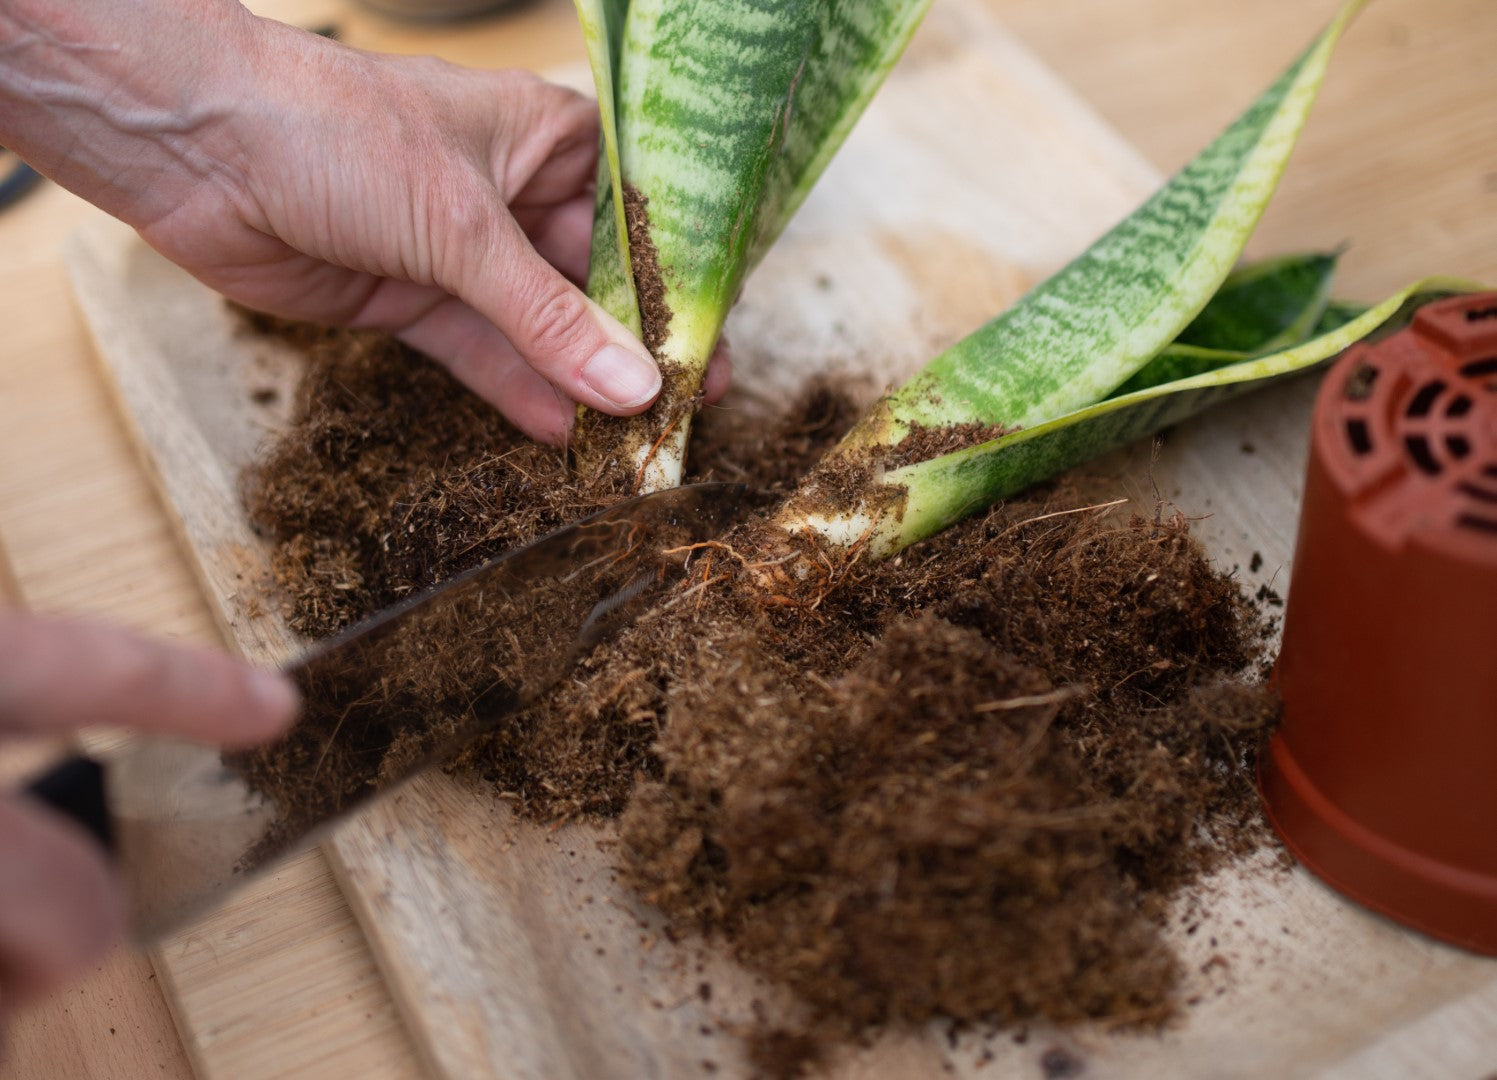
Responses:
[60,904]
[450,206]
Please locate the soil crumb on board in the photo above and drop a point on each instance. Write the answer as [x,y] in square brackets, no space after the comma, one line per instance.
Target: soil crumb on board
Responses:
[970,783]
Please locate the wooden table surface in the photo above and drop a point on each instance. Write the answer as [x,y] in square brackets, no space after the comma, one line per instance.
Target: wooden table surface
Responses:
[1400,162]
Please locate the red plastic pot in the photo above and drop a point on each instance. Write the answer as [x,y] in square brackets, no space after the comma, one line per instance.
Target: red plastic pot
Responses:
[1382,778]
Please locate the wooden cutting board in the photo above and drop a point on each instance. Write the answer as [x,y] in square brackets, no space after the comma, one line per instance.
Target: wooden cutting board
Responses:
[507,946]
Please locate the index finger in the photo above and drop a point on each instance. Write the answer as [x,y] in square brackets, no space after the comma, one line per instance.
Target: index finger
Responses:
[58,675]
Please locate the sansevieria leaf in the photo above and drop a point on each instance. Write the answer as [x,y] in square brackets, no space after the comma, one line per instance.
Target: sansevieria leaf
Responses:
[724,113]
[1260,308]
[857,44]
[1044,364]
[1082,332]
[610,278]
[1265,305]
[1338,313]
[934,494]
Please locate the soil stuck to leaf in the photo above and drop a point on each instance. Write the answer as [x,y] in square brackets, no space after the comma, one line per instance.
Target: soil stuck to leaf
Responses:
[649,283]
[606,448]
[968,783]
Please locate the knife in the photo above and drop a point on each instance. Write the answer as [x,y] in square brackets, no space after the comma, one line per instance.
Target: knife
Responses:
[185,825]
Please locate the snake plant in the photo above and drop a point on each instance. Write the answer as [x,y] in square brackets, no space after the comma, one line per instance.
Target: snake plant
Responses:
[717,117]
[933,494]
[1146,327]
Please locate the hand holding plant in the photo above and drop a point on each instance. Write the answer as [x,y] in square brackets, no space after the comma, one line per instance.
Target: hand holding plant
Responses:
[449,206]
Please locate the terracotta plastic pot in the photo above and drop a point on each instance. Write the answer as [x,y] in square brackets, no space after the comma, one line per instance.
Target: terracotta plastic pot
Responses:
[1383,776]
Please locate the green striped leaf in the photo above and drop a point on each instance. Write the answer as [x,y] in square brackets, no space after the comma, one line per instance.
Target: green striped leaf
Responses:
[1262,307]
[610,277]
[1179,362]
[1081,333]
[705,99]
[941,491]
[725,113]
[858,42]
[1337,314]
[729,110]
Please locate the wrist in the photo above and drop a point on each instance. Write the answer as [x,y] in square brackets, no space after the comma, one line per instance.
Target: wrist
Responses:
[129,108]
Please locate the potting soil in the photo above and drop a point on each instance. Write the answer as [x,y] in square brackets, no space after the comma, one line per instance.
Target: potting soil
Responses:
[967,782]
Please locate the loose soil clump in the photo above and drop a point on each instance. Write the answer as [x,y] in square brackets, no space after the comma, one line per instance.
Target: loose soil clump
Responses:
[923,442]
[969,783]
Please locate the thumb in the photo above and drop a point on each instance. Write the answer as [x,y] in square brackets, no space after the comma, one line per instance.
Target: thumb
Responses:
[579,347]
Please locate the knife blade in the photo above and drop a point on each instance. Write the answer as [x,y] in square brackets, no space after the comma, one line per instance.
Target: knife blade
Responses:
[187,825]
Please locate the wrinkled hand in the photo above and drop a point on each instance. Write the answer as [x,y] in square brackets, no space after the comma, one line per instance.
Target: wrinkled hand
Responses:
[450,206]
[60,905]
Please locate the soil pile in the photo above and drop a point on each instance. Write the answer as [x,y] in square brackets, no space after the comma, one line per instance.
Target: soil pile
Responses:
[971,791]
[968,783]
[392,478]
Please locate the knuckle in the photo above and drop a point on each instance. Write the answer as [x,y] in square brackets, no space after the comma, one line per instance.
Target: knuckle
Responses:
[532,95]
[460,217]
[517,80]
[464,211]
[554,322]
[517,90]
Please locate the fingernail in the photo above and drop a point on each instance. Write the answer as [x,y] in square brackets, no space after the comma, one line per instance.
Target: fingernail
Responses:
[275,695]
[625,378]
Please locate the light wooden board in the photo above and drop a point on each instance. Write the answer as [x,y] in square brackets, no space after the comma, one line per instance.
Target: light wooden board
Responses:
[86,535]
[147,1042]
[974,174]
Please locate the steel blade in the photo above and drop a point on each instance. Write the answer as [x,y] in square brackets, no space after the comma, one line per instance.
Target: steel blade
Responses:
[193,824]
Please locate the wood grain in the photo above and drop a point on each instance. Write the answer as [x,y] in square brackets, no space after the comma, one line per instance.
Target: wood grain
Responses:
[112,1021]
[80,469]
[508,947]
